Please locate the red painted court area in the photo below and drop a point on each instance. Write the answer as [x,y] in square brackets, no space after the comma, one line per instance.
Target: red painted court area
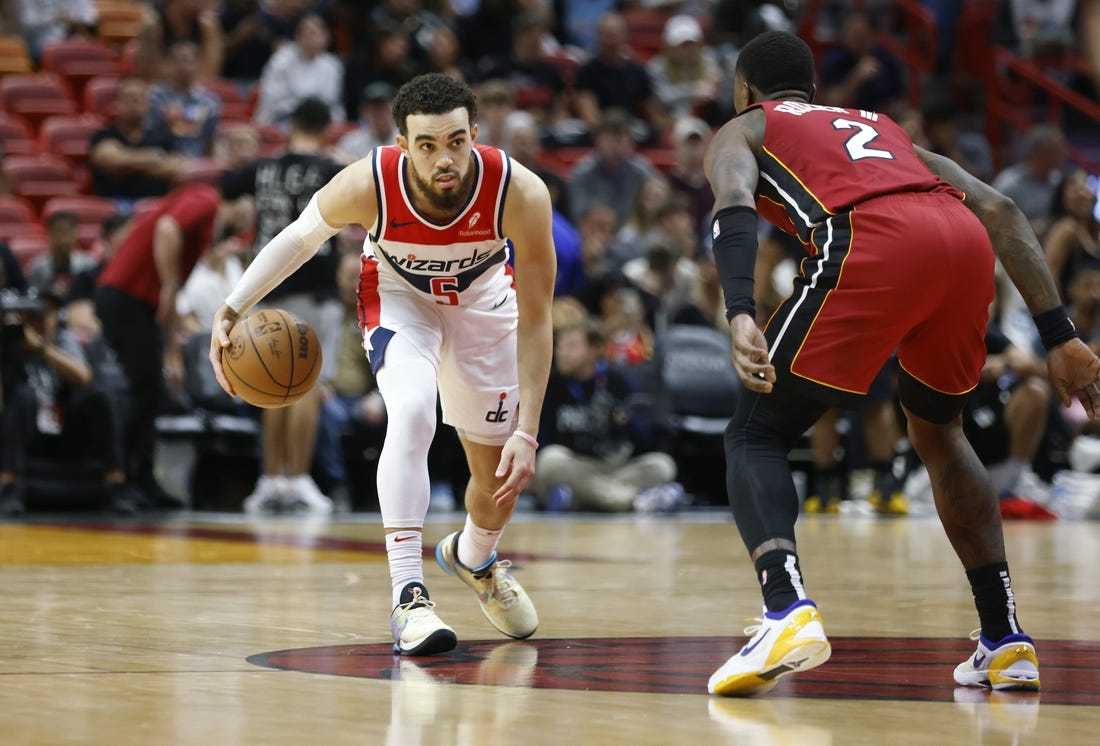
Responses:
[893,668]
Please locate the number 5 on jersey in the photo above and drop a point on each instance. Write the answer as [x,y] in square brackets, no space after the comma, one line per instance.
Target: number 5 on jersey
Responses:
[445,290]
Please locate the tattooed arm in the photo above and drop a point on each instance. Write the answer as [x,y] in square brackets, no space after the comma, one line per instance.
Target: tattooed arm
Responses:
[1074,370]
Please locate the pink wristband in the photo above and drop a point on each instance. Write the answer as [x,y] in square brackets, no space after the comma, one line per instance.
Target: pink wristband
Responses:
[529,438]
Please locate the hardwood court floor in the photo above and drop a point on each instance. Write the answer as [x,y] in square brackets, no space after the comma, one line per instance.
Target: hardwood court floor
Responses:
[212,630]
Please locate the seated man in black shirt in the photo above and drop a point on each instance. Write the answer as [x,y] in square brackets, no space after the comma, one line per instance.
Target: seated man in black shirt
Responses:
[594,453]
[128,161]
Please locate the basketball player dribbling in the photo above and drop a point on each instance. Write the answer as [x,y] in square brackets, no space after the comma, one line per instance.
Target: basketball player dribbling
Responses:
[441,309]
[898,259]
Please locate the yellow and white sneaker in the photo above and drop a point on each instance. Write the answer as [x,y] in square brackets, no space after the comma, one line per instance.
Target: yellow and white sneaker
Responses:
[503,601]
[782,643]
[1010,663]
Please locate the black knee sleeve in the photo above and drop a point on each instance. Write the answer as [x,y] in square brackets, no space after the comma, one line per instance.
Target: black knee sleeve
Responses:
[928,403]
[761,491]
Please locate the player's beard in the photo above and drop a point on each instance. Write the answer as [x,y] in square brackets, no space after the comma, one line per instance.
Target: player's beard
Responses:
[450,200]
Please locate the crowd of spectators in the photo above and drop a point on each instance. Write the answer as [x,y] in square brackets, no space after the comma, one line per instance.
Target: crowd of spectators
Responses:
[613,104]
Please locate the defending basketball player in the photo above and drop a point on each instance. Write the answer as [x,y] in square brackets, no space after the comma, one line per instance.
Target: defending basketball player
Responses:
[896,260]
[440,309]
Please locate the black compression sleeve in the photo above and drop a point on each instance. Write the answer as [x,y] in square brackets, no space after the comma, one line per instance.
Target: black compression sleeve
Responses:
[735,247]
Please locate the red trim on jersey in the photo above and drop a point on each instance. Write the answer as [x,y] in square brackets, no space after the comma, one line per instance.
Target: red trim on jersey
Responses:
[369,302]
[475,222]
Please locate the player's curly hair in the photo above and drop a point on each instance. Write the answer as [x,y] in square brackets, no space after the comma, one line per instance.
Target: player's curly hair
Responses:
[777,61]
[432,93]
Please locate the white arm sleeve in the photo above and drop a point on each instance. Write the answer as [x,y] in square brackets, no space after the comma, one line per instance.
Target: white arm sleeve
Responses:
[282,256]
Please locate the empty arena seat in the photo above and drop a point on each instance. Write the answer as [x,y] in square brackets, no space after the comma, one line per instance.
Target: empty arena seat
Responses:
[100,94]
[16,135]
[16,210]
[69,136]
[77,60]
[35,97]
[8,231]
[27,247]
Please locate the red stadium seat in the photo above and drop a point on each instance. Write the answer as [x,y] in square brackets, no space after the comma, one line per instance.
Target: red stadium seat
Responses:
[16,135]
[35,97]
[77,60]
[27,247]
[44,167]
[70,136]
[21,147]
[14,128]
[100,94]
[37,178]
[8,231]
[40,192]
[48,86]
[59,55]
[16,210]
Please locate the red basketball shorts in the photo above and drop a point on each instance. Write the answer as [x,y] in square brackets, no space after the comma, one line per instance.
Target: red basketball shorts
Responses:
[907,272]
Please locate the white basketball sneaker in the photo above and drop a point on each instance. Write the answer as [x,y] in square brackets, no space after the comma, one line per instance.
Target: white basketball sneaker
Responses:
[1010,663]
[503,601]
[306,492]
[267,495]
[782,643]
[416,628]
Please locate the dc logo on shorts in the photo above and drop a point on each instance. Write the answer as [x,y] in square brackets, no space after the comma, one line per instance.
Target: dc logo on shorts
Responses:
[500,414]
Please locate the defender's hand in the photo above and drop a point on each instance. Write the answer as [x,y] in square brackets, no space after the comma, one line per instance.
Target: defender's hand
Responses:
[1075,372]
[750,354]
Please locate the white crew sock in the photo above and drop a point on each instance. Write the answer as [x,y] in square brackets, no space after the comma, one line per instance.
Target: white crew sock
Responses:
[405,550]
[476,545]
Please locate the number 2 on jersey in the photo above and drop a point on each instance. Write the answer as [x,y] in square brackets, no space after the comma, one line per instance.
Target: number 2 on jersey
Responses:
[856,145]
[444,289]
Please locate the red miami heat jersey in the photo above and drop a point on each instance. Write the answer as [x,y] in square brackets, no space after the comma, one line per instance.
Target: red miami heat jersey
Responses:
[456,264]
[818,161]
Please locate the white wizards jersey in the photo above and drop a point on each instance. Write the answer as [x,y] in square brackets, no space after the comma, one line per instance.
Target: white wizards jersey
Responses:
[462,263]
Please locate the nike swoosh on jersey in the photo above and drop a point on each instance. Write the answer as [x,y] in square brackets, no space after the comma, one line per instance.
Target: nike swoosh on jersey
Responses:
[395,224]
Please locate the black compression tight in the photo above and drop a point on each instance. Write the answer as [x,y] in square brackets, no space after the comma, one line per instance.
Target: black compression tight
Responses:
[764,428]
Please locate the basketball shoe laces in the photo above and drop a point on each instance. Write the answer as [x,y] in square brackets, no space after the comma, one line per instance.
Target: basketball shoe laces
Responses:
[504,585]
[417,606]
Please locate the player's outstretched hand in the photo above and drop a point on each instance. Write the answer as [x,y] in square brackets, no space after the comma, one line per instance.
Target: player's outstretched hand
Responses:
[1075,372]
[750,354]
[224,320]
[517,465]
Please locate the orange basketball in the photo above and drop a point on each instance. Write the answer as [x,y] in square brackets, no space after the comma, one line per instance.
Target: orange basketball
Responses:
[273,358]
